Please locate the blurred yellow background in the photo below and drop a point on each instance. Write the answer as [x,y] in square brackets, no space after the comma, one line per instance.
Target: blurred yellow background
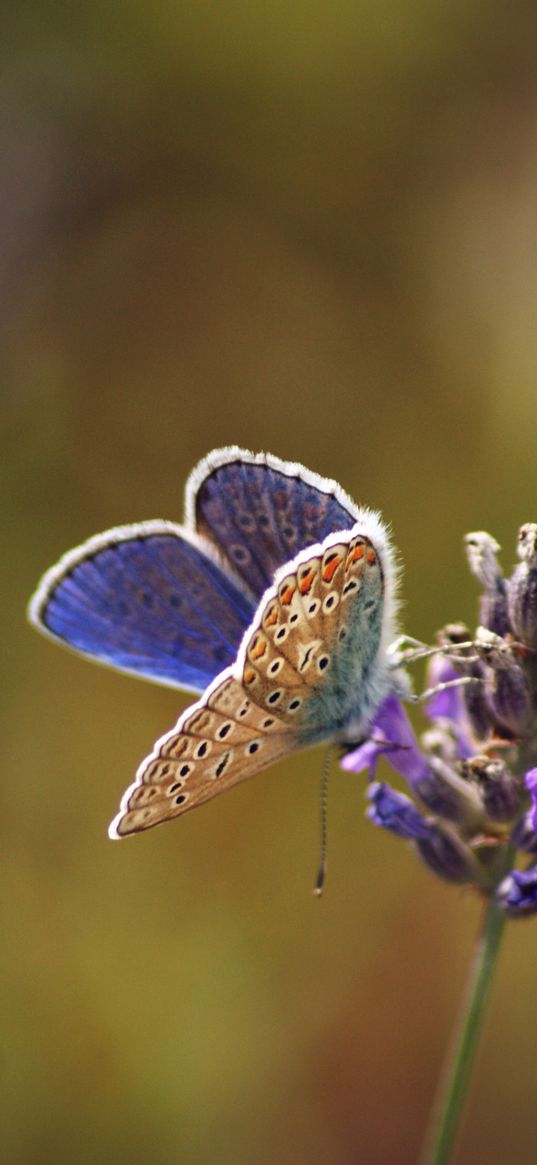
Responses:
[306,228]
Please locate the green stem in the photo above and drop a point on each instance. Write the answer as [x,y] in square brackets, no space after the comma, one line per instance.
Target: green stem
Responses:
[448,1109]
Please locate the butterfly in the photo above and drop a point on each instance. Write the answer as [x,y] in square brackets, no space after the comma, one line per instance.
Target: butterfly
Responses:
[276,598]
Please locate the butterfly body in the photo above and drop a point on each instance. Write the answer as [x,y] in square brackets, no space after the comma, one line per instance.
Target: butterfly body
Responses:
[301,627]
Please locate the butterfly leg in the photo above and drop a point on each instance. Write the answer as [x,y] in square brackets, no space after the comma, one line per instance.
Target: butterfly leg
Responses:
[400,656]
[444,687]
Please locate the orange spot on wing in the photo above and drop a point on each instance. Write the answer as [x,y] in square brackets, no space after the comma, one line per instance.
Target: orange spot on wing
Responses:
[287,595]
[249,675]
[304,585]
[371,556]
[330,568]
[271,618]
[259,649]
[355,554]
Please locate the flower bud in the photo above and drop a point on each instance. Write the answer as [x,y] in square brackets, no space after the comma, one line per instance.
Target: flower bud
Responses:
[507,690]
[481,550]
[441,742]
[522,588]
[449,795]
[455,635]
[447,855]
[499,788]
[475,702]
[517,894]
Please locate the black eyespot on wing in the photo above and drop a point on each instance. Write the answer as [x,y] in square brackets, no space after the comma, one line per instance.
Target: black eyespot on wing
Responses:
[222,765]
[274,696]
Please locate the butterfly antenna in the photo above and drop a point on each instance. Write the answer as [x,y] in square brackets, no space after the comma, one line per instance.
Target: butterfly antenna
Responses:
[321,876]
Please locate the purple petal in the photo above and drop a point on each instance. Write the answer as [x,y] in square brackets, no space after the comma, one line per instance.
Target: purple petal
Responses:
[366,756]
[447,705]
[530,780]
[517,894]
[393,737]
[524,835]
[396,812]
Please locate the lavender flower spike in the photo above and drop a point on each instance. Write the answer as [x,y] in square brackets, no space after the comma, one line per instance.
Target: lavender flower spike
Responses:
[473,802]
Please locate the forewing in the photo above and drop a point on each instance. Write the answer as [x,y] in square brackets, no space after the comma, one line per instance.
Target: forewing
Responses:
[147,600]
[221,740]
[259,512]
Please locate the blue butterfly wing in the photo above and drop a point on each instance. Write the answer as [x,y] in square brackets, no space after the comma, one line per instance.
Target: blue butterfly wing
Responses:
[145,599]
[259,512]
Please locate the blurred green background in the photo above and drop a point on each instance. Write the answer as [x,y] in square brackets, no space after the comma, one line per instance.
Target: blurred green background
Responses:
[306,228]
